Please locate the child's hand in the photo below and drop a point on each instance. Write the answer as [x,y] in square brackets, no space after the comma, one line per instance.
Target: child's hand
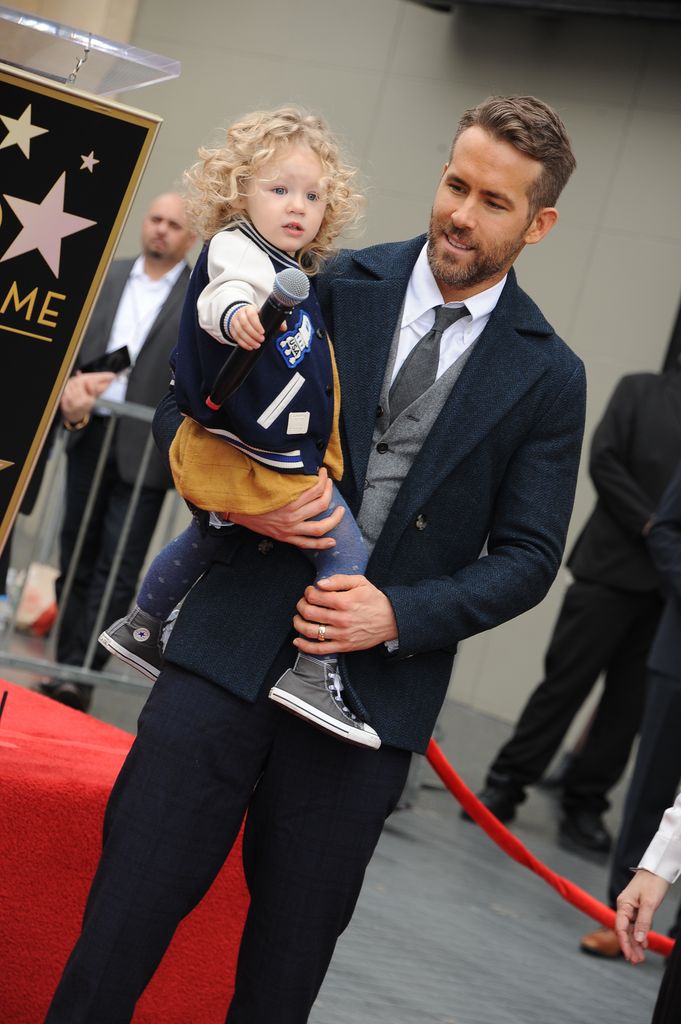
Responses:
[245,328]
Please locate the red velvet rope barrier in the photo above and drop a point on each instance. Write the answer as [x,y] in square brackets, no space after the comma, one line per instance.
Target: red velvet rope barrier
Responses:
[512,846]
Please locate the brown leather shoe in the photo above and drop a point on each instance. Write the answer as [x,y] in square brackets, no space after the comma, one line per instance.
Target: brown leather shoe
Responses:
[601,942]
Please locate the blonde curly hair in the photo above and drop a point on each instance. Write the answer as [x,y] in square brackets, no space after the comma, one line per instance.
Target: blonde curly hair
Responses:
[221,176]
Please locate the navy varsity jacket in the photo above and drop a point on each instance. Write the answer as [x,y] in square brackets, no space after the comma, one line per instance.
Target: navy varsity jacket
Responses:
[282,414]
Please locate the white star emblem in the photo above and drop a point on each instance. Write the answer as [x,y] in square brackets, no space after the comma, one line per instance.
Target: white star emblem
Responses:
[44,225]
[89,161]
[20,131]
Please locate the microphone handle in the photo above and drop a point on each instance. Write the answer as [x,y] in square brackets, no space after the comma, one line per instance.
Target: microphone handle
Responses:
[239,363]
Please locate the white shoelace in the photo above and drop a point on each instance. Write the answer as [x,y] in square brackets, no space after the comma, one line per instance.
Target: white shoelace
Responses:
[335,686]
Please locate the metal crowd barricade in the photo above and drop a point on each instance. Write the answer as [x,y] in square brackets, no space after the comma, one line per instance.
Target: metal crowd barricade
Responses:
[38,657]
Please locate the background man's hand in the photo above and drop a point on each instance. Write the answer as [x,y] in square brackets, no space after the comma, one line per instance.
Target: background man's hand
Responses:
[81,392]
[357,616]
[292,523]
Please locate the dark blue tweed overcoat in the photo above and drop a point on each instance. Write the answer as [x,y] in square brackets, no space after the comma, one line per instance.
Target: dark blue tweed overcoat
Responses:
[498,469]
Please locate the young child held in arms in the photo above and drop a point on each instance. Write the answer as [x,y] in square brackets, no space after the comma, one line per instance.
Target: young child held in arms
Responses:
[275,195]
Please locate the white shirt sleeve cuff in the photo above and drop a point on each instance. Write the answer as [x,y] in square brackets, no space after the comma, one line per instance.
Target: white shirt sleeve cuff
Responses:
[663,857]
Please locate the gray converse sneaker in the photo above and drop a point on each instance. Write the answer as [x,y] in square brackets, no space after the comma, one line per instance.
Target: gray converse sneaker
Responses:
[312,689]
[135,640]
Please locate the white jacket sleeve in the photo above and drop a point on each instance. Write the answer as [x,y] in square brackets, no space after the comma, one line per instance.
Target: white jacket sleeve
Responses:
[663,856]
[239,272]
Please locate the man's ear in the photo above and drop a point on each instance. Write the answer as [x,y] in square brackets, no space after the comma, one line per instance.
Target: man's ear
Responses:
[541,224]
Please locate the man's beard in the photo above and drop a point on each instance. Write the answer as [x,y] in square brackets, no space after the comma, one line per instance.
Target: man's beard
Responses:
[484,265]
[155,251]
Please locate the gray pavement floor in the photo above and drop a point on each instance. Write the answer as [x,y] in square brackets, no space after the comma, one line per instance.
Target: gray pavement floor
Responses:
[448,930]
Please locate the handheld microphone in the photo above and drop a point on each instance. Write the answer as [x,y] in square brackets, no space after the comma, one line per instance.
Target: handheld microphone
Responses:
[291,287]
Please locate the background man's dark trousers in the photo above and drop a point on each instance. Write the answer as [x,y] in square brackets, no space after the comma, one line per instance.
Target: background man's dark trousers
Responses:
[101,539]
[598,629]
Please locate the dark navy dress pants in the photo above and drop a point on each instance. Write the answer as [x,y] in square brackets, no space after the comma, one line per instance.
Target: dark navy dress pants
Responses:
[202,759]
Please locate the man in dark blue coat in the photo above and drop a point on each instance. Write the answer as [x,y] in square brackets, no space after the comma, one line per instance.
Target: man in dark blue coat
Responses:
[483,458]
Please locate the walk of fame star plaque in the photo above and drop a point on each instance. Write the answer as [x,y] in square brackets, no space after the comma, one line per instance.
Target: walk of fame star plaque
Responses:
[70,164]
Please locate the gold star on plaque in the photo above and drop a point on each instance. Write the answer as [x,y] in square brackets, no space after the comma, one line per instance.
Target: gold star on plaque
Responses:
[44,225]
[20,131]
[89,161]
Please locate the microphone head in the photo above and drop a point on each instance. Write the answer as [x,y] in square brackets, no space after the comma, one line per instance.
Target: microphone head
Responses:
[291,286]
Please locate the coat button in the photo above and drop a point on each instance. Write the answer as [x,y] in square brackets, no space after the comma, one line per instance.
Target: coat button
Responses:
[321,444]
[379,411]
[328,390]
[382,448]
[319,332]
[421,521]
[265,546]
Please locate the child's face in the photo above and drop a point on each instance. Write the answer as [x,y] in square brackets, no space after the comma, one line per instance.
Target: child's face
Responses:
[285,202]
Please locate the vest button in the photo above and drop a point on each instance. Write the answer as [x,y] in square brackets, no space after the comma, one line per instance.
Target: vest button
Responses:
[379,411]
[265,546]
[382,447]
[321,444]
[421,521]
[328,390]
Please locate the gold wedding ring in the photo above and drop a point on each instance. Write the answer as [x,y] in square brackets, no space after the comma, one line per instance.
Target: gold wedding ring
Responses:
[321,633]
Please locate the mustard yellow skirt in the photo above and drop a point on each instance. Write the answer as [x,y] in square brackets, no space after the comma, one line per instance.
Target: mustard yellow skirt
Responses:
[215,476]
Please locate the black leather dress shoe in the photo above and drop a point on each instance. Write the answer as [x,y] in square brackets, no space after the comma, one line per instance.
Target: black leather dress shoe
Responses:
[583,832]
[73,695]
[499,801]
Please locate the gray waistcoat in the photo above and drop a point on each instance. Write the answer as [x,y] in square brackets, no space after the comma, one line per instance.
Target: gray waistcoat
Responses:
[395,445]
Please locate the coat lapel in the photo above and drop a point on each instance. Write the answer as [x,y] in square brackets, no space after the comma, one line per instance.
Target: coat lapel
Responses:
[170,306]
[508,359]
[148,355]
[98,331]
[365,319]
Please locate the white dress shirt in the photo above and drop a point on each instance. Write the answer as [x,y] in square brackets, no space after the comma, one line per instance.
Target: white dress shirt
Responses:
[140,304]
[663,856]
[418,316]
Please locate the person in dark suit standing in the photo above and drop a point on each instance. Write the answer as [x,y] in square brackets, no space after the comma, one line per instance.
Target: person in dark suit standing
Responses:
[485,455]
[139,307]
[607,621]
[657,769]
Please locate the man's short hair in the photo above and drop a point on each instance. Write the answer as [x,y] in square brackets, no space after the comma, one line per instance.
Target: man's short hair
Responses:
[534,128]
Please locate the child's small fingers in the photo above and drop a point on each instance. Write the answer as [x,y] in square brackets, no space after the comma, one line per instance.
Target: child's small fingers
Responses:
[254,321]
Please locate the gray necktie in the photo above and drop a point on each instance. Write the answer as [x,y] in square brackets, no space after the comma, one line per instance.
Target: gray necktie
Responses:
[419,370]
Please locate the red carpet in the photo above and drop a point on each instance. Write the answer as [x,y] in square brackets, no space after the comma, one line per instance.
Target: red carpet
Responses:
[57,767]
